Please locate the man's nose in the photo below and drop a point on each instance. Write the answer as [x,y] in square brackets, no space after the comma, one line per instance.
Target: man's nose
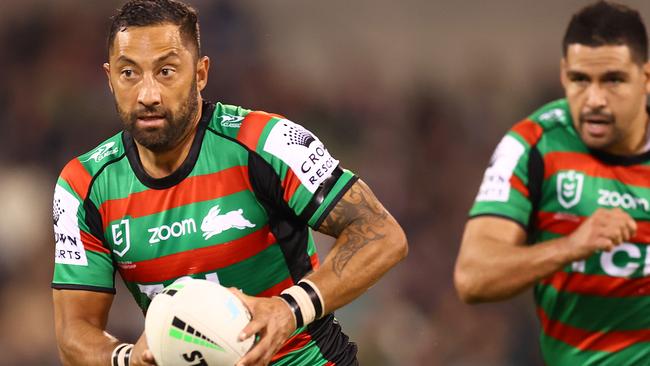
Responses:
[596,97]
[149,94]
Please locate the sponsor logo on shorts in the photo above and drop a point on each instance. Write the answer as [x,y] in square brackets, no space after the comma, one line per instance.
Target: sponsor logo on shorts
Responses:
[569,188]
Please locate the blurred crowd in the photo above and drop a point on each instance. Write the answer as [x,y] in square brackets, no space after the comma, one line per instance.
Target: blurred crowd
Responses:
[420,136]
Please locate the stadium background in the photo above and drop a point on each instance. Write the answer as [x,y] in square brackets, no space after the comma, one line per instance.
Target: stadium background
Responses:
[412,95]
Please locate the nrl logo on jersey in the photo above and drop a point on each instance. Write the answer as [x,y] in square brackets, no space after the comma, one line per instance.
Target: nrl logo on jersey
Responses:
[214,224]
[102,152]
[569,188]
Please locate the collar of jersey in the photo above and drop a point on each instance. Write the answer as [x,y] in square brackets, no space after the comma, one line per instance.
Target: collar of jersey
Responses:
[184,170]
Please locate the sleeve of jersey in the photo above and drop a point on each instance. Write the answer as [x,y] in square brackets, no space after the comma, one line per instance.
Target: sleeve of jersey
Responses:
[504,190]
[311,179]
[81,262]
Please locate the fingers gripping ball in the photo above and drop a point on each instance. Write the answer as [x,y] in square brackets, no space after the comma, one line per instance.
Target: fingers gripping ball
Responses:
[196,322]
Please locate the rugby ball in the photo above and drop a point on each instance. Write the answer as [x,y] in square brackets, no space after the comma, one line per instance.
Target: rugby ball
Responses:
[196,322]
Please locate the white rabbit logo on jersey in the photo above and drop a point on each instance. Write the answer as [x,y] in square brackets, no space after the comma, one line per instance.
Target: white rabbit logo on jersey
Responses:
[214,224]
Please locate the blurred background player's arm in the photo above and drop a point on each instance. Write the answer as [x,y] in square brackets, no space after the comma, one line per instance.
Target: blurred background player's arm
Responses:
[80,321]
[495,262]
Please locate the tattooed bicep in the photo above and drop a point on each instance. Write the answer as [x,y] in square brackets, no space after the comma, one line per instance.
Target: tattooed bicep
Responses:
[358,206]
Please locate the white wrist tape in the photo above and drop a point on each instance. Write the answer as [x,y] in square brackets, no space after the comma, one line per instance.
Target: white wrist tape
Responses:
[304,303]
[309,299]
[121,355]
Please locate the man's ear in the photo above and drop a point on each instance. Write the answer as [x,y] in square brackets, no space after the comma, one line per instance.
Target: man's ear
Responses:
[107,70]
[563,78]
[202,68]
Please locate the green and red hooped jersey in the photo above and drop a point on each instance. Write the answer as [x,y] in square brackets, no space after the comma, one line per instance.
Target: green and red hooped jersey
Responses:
[237,211]
[594,311]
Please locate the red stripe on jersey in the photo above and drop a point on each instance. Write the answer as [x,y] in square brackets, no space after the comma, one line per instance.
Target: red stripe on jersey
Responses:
[294,343]
[252,127]
[564,224]
[315,263]
[277,288]
[290,184]
[197,260]
[77,177]
[598,285]
[529,131]
[190,190]
[612,341]
[635,175]
[517,184]
[91,243]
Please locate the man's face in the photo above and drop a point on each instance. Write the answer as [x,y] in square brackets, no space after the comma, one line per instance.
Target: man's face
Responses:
[606,91]
[155,79]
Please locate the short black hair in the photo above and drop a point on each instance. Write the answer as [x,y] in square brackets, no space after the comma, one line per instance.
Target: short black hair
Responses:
[142,13]
[606,23]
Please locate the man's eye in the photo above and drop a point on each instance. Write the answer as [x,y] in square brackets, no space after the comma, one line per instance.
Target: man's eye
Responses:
[579,79]
[127,73]
[167,72]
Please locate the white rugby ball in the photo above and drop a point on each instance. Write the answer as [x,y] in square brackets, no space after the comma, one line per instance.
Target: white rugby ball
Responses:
[196,322]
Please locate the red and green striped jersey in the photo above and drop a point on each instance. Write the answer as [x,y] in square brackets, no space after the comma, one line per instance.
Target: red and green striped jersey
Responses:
[595,311]
[238,211]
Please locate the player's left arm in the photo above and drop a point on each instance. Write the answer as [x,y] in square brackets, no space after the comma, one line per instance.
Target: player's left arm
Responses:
[369,242]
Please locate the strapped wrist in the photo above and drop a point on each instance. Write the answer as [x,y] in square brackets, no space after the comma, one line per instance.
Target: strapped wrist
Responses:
[121,355]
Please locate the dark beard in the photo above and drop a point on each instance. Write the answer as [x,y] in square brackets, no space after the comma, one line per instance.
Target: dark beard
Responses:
[175,128]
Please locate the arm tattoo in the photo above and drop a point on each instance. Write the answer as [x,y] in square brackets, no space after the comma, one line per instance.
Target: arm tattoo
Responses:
[359,216]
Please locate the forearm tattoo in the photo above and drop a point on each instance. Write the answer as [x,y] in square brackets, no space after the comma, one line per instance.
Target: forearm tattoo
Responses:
[360,218]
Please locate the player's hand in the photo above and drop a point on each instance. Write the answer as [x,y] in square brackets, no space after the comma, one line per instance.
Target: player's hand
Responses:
[140,355]
[603,230]
[272,320]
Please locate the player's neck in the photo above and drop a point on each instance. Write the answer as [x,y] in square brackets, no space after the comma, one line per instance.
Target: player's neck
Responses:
[162,164]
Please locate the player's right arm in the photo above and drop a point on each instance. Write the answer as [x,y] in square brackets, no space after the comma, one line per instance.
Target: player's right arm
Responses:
[80,319]
[494,261]
[83,280]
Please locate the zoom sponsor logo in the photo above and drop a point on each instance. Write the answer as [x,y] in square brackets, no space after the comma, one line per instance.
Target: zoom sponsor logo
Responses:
[175,230]
[624,200]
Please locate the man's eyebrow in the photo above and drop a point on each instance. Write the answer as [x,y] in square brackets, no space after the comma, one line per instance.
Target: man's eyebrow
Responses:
[615,74]
[123,58]
[169,54]
[575,73]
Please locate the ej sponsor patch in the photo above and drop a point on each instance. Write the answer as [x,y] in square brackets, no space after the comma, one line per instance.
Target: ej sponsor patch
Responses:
[302,151]
[496,181]
[68,249]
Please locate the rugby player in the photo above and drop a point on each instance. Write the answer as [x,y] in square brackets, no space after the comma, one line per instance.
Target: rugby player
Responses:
[564,204]
[210,191]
